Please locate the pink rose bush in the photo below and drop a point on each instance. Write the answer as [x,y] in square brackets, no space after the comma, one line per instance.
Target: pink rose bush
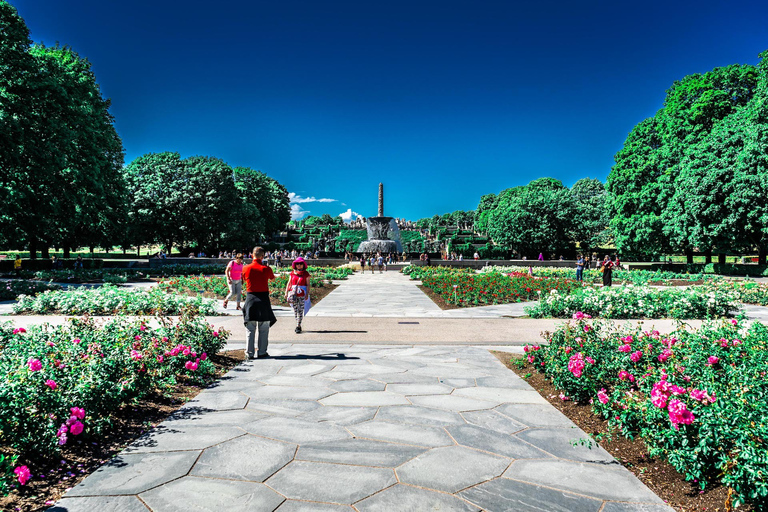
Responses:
[59,387]
[696,397]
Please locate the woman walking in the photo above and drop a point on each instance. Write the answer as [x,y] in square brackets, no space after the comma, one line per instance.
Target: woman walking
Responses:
[297,291]
[607,271]
[234,273]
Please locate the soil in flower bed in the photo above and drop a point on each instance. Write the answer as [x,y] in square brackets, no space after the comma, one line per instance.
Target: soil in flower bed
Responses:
[79,459]
[657,474]
[437,299]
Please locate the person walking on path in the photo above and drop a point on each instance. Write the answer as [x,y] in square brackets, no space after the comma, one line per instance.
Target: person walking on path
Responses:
[297,291]
[541,256]
[257,311]
[380,262]
[580,268]
[607,269]
[362,264]
[17,265]
[234,273]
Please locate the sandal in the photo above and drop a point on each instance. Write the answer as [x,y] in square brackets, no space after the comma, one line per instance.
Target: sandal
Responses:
[226,303]
[239,308]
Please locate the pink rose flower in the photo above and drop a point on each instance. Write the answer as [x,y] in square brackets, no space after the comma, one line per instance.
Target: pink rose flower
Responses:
[159,359]
[76,428]
[143,327]
[665,354]
[625,348]
[712,360]
[576,364]
[191,365]
[19,330]
[51,384]
[23,474]
[636,356]
[77,412]
[602,396]
[76,341]
[679,414]
[34,365]
[203,356]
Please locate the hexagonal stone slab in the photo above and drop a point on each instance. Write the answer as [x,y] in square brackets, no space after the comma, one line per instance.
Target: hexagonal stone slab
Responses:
[493,420]
[189,417]
[563,443]
[332,483]
[246,458]
[501,495]
[219,401]
[360,452]
[404,378]
[535,415]
[453,403]
[358,385]
[282,407]
[599,481]
[309,506]
[450,371]
[171,439]
[306,369]
[295,430]
[111,503]
[192,494]
[132,474]
[289,393]
[508,381]
[365,399]
[457,383]
[451,469]
[503,395]
[341,415]
[407,498]
[418,435]
[414,415]
[300,381]
[494,442]
[420,389]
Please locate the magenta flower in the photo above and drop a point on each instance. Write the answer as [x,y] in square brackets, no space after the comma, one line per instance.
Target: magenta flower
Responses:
[712,360]
[679,414]
[203,356]
[191,365]
[186,351]
[665,354]
[77,412]
[636,356]
[137,337]
[625,348]
[19,330]
[602,396]
[699,394]
[576,364]
[159,359]
[51,384]
[23,474]
[143,327]
[136,355]
[625,375]
[215,334]
[76,428]
[76,341]
[34,365]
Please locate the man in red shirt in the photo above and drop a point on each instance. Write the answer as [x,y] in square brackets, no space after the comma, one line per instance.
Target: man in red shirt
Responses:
[257,311]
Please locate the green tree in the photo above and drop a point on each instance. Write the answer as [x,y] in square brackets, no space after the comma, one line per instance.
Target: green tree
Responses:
[591,214]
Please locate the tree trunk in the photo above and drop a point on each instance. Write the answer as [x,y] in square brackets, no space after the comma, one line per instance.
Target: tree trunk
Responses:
[708,256]
[45,252]
[66,252]
[689,256]
[91,248]
[761,254]
[33,249]
[138,251]
[721,258]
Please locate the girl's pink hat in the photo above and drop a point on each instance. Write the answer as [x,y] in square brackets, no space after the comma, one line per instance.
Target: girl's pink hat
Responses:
[297,261]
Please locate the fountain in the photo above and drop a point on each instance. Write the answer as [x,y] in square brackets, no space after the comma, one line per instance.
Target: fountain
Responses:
[383,234]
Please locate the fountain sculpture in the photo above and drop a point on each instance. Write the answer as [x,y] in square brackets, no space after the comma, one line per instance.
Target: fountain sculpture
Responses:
[383,234]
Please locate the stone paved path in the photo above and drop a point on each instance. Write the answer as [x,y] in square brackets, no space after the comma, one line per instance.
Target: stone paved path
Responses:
[366,428]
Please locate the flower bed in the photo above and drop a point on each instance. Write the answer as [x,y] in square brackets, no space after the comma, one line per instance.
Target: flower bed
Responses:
[60,384]
[9,290]
[748,292]
[697,397]
[637,277]
[109,300]
[638,302]
[464,289]
[417,272]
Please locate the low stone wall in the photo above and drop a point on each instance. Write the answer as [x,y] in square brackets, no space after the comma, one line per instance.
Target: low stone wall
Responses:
[160,262]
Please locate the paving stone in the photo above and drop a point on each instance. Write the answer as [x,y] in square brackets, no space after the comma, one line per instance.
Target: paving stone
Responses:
[562,442]
[494,442]
[357,385]
[419,389]
[192,494]
[450,371]
[195,417]
[502,495]
[404,378]
[418,435]
[404,498]
[303,381]
[233,384]
[307,369]
[332,483]
[458,383]
[219,401]
[613,506]
[360,452]
[365,399]
[309,506]
[451,469]
[503,395]
[414,415]
[282,407]
[510,381]
[289,393]
[111,503]
[167,439]
[373,369]
[493,420]
[596,480]
[453,403]
[132,474]
[341,415]
[295,430]
[535,415]
[246,458]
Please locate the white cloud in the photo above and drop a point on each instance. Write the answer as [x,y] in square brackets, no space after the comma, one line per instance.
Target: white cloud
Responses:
[298,212]
[349,215]
[293,197]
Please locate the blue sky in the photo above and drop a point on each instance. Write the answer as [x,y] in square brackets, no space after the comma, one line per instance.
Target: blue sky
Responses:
[442,101]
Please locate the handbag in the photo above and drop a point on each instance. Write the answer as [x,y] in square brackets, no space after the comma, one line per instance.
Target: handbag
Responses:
[602,269]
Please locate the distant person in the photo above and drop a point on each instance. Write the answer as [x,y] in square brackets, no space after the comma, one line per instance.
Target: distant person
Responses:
[56,263]
[561,258]
[541,256]
[616,262]
[525,258]
[607,270]
[476,256]
[79,263]
[257,311]
[17,265]
[234,275]
[580,267]
[297,291]
[380,262]
[362,264]
[427,260]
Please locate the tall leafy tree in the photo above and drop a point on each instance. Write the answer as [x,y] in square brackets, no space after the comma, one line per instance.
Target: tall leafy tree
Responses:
[591,216]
